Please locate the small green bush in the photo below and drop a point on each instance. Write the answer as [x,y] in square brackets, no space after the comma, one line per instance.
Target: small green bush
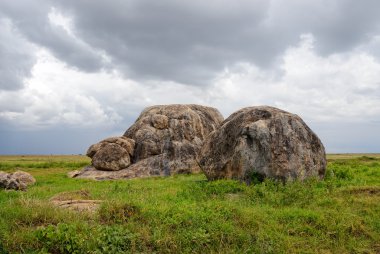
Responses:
[343,173]
[222,187]
[117,212]
[114,239]
[63,238]
[203,190]
[68,238]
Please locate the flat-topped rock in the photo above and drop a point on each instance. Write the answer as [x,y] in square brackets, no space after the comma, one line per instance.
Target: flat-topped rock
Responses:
[76,200]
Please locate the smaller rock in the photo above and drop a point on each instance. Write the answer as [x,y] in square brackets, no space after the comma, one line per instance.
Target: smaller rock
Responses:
[14,184]
[127,143]
[92,173]
[112,154]
[73,174]
[3,179]
[24,177]
[76,200]
[91,151]
[18,180]
[111,157]
[78,205]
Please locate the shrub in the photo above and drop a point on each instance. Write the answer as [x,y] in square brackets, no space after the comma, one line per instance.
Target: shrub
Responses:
[221,187]
[117,212]
[114,239]
[63,238]
[69,238]
[343,173]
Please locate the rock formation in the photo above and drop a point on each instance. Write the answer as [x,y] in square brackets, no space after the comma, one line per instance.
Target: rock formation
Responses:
[254,142]
[18,180]
[263,142]
[169,137]
[164,140]
[112,154]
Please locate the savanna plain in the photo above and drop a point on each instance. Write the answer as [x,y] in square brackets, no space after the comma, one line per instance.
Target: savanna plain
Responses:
[188,214]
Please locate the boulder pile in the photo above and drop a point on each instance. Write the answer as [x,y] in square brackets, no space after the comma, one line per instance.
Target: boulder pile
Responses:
[252,143]
[164,140]
[18,180]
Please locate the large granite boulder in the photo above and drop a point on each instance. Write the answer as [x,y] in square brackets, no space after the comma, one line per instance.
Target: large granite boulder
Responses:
[260,142]
[167,139]
[18,180]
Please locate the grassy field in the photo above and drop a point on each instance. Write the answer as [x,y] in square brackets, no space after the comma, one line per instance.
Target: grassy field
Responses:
[187,214]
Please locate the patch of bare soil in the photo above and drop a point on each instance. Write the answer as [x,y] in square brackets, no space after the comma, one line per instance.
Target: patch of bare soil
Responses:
[76,200]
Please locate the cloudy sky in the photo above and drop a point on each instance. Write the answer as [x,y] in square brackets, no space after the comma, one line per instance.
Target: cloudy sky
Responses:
[76,71]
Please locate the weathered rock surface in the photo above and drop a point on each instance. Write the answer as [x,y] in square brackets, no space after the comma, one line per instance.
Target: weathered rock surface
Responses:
[145,168]
[263,142]
[76,200]
[168,137]
[24,177]
[18,180]
[165,138]
[112,153]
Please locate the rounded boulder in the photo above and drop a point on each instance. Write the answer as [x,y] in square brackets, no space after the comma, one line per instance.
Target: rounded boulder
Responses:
[112,154]
[263,142]
[18,180]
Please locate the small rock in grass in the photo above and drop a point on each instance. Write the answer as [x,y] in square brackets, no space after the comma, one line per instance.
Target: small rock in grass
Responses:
[76,200]
[18,180]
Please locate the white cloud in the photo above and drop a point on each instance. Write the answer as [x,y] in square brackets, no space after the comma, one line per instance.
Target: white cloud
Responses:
[58,19]
[56,95]
[339,87]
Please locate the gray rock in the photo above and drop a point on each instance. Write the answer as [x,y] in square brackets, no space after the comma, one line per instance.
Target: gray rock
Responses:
[263,142]
[3,179]
[166,140]
[24,177]
[168,137]
[112,153]
[18,180]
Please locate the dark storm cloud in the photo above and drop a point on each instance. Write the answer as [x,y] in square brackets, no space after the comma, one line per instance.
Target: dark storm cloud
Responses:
[16,58]
[188,41]
[182,41]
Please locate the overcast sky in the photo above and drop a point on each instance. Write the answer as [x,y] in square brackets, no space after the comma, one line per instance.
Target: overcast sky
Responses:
[76,71]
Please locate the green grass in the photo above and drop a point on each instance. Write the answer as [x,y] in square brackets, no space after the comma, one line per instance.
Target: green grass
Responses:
[187,214]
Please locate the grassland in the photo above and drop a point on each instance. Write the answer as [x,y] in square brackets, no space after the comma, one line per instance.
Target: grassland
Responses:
[187,214]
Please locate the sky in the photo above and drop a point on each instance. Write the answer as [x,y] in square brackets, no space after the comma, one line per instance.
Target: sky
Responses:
[74,72]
